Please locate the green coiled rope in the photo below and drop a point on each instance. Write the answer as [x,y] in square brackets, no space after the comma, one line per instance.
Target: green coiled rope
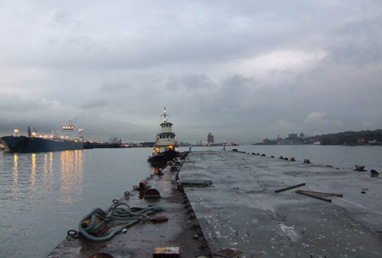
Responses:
[116,214]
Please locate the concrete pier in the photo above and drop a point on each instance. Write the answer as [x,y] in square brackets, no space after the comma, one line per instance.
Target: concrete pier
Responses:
[226,204]
[179,235]
[241,210]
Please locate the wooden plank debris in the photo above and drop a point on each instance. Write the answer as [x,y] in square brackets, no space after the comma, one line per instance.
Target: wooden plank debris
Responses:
[318,195]
[288,188]
[322,193]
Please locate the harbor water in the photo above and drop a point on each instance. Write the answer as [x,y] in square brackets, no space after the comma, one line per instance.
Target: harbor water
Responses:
[43,195]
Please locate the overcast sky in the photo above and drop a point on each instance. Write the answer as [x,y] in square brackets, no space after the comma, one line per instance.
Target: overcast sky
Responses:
[243,70]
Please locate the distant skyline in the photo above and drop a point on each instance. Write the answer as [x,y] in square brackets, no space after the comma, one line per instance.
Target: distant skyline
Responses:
[243,70]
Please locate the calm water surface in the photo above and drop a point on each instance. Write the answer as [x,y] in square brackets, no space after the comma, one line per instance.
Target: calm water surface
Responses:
[43,195]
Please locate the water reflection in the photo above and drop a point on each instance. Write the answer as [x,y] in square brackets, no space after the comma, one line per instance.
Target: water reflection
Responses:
[40,172]
[71,176]
[15,190]
[33,187]
[33,172]
[47,170]
[15,169]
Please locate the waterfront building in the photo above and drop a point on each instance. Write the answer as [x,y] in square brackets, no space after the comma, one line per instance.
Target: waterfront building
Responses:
[210,138]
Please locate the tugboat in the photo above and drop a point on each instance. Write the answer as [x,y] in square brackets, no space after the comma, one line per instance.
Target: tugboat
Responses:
[165,148]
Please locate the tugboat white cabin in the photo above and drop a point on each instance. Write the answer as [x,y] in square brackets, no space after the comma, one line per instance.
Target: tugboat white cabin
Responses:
[165,140]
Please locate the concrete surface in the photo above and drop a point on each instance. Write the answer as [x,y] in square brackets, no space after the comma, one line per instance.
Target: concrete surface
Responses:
[143,239]
[241,211]
[225,203]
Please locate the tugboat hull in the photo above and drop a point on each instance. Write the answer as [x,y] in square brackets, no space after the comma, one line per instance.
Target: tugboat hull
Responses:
[161,159]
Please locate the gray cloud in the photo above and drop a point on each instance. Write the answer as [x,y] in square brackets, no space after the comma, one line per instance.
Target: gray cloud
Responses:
[244,70]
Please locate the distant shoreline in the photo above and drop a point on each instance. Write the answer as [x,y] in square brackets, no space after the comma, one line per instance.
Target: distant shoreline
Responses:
[348,138]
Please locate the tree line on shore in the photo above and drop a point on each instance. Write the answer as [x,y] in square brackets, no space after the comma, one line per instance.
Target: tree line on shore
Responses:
[365,137]
[353,138]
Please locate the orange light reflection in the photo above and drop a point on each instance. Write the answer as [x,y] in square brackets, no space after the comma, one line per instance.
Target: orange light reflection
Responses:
[71,176]
[48,170]
[33,172]
[15,169]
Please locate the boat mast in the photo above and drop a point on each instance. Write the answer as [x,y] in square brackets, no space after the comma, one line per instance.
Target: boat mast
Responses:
[165,115]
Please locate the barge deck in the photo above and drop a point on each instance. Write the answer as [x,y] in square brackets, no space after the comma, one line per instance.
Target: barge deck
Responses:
[233,204]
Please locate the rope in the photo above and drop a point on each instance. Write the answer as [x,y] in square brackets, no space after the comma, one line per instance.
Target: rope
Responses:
[99,219]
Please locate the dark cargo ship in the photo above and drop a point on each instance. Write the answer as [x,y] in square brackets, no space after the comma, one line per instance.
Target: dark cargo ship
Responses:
[44,143]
